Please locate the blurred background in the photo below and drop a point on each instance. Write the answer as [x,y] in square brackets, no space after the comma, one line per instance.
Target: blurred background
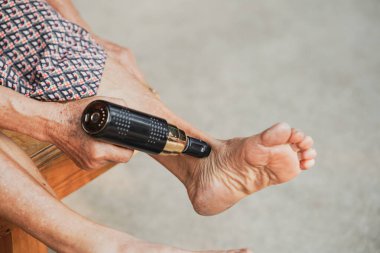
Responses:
[233,68]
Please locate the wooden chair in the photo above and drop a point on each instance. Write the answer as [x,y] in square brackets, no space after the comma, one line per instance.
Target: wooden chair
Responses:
[62,175]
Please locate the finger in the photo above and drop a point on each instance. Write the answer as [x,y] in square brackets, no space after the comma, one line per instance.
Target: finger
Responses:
[91,164]
[117,154]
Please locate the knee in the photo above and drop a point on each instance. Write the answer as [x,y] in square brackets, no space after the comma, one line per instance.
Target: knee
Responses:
[123,55]
[126,57]
[126,53]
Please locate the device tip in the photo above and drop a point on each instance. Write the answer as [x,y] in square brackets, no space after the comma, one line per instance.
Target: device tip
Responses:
[197,148]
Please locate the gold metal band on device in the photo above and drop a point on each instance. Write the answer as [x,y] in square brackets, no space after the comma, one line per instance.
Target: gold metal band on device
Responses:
[176,142]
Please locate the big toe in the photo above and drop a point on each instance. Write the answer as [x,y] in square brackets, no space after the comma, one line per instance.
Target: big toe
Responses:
[276,135]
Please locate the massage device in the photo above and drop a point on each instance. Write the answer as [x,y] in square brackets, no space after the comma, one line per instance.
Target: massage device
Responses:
[129,128]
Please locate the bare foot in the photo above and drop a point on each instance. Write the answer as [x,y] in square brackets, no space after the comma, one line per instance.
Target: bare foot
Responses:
[241,166]
[116,242]
[156,248]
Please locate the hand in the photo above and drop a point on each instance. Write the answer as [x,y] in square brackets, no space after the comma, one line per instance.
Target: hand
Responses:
[66,133]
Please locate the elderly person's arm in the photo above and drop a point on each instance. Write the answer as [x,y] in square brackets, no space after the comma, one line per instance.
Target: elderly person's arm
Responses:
[24,115]
[25,198]
[57,123]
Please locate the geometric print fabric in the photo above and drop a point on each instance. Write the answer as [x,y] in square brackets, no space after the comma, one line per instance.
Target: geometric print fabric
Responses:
[44,56]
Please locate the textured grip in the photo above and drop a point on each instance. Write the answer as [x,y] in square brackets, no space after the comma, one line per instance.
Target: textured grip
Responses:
[122,120]
[125,127]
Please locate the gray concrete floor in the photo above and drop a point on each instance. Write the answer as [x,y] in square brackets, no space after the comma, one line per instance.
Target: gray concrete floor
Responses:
[234,68]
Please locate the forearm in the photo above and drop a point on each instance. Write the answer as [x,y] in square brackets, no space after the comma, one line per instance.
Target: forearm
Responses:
[24,115]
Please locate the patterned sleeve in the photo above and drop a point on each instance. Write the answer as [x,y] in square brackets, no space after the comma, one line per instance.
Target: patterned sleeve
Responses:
[44,56]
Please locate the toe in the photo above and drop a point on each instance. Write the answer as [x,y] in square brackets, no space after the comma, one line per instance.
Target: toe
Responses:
[296,137]
[307,164]
[306,143]
[308,154]
[276,135]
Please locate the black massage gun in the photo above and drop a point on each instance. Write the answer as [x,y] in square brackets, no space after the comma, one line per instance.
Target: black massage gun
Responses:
[137,130]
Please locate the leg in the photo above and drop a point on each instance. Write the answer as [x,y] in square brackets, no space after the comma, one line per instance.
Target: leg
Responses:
[34,209]
[17,241]
[25,162]
[235,168]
